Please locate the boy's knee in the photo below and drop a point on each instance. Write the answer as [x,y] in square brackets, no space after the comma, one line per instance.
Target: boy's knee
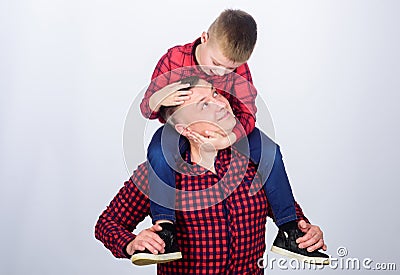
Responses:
[278,154]
[155,152]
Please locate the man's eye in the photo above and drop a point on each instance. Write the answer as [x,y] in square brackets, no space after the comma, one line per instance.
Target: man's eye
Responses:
[215,94]
[205,105]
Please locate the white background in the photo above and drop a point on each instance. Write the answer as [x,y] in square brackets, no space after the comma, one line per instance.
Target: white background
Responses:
[69,70]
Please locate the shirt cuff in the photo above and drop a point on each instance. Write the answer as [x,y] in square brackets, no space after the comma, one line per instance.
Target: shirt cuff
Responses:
[238,132]
[122,242]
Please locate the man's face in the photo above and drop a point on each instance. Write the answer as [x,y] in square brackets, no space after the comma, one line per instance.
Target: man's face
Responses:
[206,110]
[211,58]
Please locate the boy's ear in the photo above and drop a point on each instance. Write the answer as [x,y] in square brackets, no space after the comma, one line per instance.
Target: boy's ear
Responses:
[204,37]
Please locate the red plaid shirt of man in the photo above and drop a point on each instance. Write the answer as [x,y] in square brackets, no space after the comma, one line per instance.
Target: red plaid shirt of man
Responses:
[222,232]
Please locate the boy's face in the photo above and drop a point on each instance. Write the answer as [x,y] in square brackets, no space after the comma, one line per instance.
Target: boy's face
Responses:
[211,58]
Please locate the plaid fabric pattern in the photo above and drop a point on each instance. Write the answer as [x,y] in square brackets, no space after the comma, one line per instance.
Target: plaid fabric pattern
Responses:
[225,238]
[179,62]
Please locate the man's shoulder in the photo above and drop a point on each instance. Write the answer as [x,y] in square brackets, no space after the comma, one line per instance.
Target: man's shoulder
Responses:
[140,175]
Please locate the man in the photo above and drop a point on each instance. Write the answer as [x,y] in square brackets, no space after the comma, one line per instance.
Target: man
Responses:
[220,225]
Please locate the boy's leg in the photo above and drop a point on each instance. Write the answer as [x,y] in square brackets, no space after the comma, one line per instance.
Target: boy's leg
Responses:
[162,155]
[266,153]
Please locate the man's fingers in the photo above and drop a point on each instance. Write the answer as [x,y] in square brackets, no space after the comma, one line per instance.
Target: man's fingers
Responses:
[316,246]
[154,244]
[155,227]
[153,236]
[138,247]
[304,226]
[312,239]
[149,247]
[307,236]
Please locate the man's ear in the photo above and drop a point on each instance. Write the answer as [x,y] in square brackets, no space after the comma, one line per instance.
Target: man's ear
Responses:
[204,37]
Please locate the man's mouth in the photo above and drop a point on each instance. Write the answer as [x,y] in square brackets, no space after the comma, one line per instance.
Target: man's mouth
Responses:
[224,115]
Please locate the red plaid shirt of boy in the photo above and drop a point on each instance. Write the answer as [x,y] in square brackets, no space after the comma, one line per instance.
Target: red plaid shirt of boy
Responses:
[219,232]
[180,62]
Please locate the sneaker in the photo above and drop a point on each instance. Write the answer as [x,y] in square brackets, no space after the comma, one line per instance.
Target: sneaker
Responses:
[285,244]
[172,253]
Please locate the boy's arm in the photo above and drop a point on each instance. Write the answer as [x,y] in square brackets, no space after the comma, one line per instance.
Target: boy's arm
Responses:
[115,225]
[243,103]
[159,79]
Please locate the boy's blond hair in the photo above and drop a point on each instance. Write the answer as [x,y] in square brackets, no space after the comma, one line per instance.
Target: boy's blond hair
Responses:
[235,32]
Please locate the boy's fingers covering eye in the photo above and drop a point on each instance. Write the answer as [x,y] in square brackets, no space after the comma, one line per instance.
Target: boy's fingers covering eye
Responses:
[184,92]
[184,98]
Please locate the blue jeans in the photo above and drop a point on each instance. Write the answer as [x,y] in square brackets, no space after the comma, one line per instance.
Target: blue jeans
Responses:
[258,146]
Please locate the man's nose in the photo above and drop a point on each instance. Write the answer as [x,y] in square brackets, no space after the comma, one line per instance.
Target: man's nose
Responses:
[219,103]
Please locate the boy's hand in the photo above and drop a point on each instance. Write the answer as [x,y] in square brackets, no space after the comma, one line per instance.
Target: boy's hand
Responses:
[147,238]
[170,96]
[215,140]
[313,238]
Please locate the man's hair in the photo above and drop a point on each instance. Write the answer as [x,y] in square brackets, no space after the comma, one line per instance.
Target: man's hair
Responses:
[167,111]
[235,32]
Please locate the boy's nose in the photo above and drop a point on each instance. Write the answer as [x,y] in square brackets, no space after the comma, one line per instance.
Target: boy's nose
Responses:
[220,71]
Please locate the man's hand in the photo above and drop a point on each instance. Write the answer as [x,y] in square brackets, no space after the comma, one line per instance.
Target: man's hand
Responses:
[147,238]
[313,238]
[215,140]
[170,96]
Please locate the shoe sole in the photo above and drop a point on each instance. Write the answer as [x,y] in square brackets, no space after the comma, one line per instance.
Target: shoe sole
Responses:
[147,259]
[311,260]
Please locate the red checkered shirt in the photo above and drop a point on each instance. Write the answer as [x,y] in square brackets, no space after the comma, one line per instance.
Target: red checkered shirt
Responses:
[237,87]
[225,238]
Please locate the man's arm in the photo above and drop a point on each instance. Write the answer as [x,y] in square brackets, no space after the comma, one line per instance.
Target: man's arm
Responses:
[115,225]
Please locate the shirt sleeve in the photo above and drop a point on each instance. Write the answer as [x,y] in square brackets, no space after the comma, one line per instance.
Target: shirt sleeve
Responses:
[159,79]
[243,101]
[115,225]
[299,213]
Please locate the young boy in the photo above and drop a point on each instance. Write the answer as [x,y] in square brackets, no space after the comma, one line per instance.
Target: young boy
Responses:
[220,57]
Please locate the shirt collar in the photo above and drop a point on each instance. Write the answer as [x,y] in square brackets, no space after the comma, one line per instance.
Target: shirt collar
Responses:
[222,161]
